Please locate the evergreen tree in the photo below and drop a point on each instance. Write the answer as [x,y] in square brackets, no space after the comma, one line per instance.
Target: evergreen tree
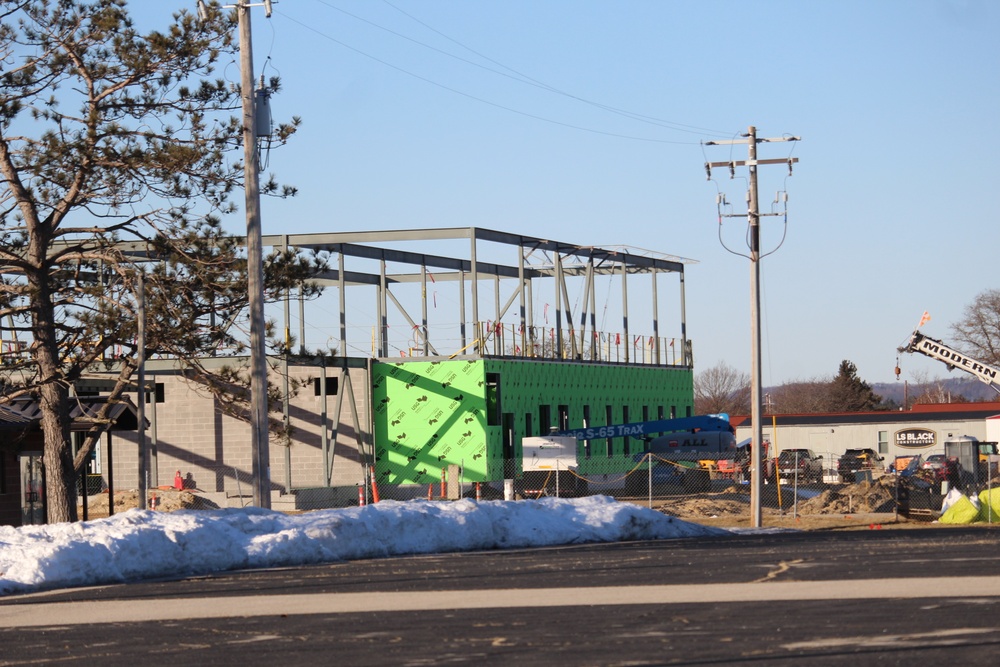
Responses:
[115,149]
[849,393]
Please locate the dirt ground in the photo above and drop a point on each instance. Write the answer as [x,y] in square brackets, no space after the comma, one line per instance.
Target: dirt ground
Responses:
[166,500]
[862,506]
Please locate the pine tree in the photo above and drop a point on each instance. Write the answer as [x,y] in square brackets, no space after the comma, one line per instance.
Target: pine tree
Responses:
[849,393]
[115,149]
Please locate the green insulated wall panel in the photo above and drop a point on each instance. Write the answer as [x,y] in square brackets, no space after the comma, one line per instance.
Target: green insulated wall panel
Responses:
[577,388]
[430,414]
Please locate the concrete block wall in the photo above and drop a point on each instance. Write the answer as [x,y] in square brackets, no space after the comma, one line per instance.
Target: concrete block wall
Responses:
[212,450]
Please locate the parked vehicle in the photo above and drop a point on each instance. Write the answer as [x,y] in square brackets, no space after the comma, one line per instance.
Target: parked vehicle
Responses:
[803,463]
[854,460]
[936,466]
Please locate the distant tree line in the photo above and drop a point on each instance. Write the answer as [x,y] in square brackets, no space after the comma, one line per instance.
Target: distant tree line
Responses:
[724,389]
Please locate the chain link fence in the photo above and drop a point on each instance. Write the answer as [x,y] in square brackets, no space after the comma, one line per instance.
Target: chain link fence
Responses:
[795,483]
[690,490]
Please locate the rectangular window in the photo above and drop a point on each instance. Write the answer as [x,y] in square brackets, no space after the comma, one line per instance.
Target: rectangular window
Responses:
[544,419]
[659,413]
[625,440]
[527,424]
[883,442]
[586,424]
[563,417]
[330,384]
[609,413]
[507,443]
[493,402]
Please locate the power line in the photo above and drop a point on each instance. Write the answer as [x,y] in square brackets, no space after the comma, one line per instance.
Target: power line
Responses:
[520,78]
[524,78]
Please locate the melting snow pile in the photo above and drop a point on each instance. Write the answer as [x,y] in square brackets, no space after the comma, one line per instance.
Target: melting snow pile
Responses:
[140,544]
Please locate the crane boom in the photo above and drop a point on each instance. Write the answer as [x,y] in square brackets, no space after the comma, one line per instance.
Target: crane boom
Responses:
[935,349]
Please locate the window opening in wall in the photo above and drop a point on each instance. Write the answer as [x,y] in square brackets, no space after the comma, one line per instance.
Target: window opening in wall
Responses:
[563,417]
[331,386]
[507,442]
[609,412]
[883,442]
[544,419]
[586,424]
[673,412]
[527,424]
[493,401]
[687,411]
[659,412]
[625,440]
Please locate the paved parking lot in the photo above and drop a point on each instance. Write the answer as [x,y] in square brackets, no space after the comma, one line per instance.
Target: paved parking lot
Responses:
[833,598]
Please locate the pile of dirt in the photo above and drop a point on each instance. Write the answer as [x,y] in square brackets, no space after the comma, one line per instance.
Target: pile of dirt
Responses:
[733,501]
[160,500]
[863,497]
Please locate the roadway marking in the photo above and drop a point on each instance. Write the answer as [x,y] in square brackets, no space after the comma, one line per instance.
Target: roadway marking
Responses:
[37,613]
[949,637]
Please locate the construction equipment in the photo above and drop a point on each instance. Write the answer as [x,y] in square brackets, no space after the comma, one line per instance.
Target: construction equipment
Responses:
[548,468]
[686,451]
[952,358]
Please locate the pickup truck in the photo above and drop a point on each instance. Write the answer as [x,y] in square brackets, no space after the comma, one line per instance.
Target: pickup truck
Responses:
[803,464]
[854,460]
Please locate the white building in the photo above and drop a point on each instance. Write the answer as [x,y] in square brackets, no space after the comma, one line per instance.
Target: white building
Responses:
[921,430]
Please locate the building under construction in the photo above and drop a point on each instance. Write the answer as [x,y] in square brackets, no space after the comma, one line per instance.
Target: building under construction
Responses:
[417,361]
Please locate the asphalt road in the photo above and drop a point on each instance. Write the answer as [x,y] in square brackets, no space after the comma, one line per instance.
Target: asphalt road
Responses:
[906,597]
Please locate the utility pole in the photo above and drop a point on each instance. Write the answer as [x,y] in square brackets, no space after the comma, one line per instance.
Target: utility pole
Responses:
[259,432]
[753,220]
[140,342]
[259,442]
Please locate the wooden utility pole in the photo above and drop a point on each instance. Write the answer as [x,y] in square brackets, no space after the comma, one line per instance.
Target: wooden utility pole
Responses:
[753,220]
[259,443]
[140,341]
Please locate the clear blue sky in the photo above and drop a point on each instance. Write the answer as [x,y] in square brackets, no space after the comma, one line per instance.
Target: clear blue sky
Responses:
[494,114]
